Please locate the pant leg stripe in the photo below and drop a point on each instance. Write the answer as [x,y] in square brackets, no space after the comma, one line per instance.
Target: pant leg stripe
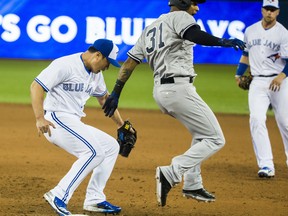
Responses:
[82,140]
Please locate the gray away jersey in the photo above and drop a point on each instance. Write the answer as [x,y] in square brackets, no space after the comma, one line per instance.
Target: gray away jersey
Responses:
[162,44]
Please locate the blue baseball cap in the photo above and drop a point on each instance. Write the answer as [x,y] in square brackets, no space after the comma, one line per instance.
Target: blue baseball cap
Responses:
[108,49]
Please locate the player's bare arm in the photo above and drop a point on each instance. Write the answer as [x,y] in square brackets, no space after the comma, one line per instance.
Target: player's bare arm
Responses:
[126,69]
[37,97]
[277,81]
[125,72]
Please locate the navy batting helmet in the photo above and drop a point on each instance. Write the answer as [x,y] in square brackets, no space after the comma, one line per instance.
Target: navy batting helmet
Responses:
[183,4]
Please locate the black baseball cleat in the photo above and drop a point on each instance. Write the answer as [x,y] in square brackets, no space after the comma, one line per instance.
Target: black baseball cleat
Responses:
[162,187]
[200,195]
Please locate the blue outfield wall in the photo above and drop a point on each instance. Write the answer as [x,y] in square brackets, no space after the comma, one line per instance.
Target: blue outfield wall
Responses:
[33,29]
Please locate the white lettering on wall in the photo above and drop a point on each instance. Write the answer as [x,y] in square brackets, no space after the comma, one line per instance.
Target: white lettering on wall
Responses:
[63,29]
[201,24]
[236,29]
[38,29]
[111,30]
[130,38]
[71,29]
[218,30]
[95,28]
[11,30]
[131,29]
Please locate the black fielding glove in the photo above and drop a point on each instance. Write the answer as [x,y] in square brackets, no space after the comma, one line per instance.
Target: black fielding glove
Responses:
[126,138]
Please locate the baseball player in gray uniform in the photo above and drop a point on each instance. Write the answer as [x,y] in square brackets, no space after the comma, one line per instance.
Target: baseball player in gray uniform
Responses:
[267,55]
[69,82]
[167,45]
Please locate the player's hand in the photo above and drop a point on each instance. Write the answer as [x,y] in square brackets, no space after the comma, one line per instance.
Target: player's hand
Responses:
[111,104]
[43,126]
[276,82]
[237,79]
[235,43]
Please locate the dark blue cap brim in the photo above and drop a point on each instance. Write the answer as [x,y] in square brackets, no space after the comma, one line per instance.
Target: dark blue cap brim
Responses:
[114,62]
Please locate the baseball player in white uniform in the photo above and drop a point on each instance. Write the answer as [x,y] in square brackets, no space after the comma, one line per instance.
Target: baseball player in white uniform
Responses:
[167,45]
[267,55]
[69,82]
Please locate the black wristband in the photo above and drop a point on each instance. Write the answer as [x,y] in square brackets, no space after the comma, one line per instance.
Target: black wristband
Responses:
[118,86]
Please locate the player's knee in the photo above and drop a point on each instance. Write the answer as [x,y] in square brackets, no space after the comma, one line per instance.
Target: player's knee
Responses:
[221,141]
[92,157]
[97,157]
[257,123]
[257,119]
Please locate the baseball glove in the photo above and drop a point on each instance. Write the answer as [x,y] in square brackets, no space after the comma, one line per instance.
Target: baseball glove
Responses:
[245,82]
[126,138]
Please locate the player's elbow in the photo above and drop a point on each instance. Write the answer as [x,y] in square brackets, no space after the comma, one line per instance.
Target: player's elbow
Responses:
[36,90]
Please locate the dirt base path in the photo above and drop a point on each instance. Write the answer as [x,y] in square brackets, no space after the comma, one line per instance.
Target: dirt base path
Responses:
[30,166]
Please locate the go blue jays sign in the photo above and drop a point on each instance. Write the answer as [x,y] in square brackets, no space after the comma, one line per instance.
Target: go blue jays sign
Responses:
[33,29]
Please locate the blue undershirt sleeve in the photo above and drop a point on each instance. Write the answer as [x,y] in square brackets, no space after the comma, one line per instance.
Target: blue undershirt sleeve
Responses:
[242,67]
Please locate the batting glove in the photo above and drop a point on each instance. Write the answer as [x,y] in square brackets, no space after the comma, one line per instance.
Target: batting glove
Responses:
[111,104]
[235,43]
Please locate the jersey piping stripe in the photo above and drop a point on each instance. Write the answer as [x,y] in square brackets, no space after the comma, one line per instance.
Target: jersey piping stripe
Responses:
[133,57]
[84,65]
[85,142]
[100,95]
[40,83]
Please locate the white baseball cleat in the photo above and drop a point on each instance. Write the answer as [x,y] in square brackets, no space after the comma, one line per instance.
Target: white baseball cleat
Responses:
[266,172]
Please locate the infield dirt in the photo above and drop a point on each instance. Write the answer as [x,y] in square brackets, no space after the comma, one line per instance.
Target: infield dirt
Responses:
[31,166]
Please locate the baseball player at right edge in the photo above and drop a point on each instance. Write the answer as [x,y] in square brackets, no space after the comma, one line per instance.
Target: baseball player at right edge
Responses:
[267,55]
[167,45]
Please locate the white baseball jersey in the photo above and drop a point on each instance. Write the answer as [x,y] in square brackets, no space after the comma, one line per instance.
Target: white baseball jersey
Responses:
[175,58]
[69,85]
[267,48]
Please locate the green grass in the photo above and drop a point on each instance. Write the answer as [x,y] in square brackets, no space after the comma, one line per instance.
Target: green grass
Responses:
[16,77]
[215,84]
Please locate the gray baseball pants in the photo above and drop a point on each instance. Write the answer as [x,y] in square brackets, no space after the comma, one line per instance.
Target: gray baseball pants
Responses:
[181,101]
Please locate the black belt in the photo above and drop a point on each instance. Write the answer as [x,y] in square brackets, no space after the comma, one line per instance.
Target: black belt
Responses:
[272,75]
[170,80]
